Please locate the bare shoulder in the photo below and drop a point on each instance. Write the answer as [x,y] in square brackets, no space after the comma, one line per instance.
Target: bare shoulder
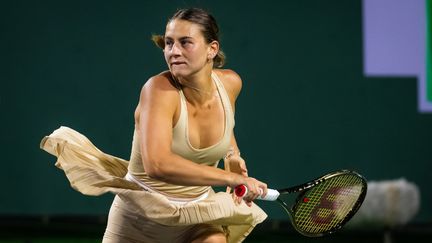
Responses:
[158,93]
[160,86]
[231,80]
[158,97]
[161,82]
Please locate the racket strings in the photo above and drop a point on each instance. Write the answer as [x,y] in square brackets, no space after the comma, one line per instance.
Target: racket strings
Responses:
[326,205]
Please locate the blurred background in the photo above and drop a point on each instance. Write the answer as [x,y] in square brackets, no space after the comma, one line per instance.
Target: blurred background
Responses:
[327,85]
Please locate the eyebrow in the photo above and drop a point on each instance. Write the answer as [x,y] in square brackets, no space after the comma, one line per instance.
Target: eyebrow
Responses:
[181,38]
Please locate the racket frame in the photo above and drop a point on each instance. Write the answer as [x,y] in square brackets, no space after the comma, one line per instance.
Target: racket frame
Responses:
[303,188]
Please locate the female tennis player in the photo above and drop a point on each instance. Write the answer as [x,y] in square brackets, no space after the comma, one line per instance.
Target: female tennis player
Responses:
[183,126]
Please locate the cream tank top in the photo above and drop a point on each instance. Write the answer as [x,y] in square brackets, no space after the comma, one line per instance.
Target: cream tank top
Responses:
[181,145]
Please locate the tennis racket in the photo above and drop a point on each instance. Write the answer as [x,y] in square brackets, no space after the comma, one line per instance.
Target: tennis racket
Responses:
[321,206]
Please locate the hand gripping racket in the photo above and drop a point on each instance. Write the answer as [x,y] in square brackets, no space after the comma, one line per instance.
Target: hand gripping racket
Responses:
[323,205]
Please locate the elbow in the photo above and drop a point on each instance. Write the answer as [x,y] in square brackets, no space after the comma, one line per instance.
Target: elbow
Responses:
[155,173]
[154,169]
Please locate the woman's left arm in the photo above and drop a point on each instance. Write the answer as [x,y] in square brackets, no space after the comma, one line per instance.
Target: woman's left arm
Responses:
[233,161]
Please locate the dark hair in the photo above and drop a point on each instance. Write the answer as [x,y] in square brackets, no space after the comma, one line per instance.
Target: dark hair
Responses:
[210,29]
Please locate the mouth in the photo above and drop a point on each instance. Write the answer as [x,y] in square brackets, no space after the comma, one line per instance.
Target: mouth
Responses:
[177,63]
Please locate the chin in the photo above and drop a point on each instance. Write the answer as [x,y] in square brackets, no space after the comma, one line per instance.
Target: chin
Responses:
[180,72]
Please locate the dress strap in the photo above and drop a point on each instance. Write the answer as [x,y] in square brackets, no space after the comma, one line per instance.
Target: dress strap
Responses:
[224,96]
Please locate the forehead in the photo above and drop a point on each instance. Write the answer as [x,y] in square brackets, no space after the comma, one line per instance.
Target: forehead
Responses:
[178,28]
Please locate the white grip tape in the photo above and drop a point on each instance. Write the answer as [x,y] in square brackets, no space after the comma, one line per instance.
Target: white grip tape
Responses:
[272,194]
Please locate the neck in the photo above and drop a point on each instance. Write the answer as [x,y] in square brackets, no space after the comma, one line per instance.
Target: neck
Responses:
[198,88]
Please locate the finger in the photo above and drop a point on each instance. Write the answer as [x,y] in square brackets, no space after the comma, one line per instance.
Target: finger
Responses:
[236,199]
[239,200]
[228,189]
[261,192]
[265,191]
[254,195]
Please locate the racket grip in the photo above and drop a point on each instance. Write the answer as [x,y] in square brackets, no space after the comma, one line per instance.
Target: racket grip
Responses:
[272,194]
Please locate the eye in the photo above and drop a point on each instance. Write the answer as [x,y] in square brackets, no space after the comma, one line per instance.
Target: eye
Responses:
[168,42]
[185,42]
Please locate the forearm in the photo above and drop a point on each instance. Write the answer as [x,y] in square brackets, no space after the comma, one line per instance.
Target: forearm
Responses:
[233,161]
[175,169]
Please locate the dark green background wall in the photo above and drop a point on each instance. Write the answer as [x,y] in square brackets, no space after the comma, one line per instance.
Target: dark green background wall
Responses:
[306,107]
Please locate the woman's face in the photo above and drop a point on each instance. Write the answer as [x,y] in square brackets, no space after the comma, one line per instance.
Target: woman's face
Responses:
[186,51]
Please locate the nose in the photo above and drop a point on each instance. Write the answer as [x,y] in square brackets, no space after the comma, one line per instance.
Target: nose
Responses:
[175,49]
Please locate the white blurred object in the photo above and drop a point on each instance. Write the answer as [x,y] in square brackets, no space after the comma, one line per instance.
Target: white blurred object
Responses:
[388,203]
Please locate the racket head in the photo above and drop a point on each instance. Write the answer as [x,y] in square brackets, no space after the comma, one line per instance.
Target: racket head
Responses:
[325,204]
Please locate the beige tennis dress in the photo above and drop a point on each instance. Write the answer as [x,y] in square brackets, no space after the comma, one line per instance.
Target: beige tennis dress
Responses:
[148,210]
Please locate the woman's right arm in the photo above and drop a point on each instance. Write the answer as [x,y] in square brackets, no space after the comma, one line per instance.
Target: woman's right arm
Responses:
[156,109]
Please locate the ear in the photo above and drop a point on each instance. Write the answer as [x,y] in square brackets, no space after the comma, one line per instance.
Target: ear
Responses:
[213,49]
